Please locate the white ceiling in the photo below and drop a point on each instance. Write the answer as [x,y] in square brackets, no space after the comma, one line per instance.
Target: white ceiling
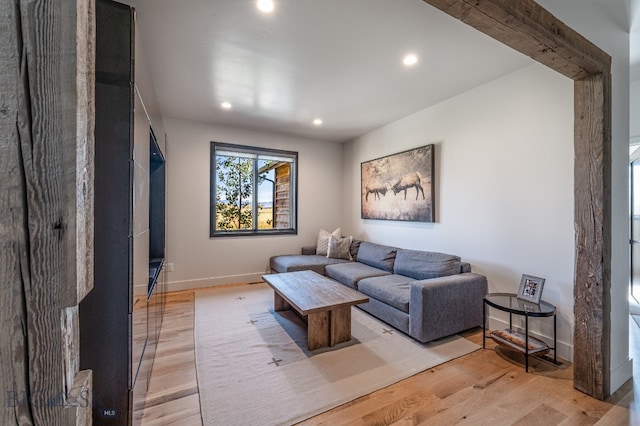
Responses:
[334,59]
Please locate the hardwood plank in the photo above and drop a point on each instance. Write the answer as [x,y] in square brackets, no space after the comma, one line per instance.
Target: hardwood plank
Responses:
[173,396]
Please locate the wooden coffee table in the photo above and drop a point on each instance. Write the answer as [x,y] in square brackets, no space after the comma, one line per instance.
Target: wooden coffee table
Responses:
[323,303]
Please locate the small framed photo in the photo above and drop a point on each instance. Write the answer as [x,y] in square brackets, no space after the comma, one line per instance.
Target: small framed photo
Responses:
[530,288]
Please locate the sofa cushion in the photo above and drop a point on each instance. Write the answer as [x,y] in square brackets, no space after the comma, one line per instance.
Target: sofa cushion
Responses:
[339,248]
[377,255]
[390,289]
[350,273]
[425,264]
[299,262]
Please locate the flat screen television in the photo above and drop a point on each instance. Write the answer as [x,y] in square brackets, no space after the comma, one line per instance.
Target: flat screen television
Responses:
[157,200]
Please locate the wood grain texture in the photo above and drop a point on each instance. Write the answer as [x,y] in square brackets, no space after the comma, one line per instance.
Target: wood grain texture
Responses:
[81,398]
[318,330]
[592,180]
[14,377]
[340,326]
[39,210]
[279,304]
[528,28]
[310,292]
[85,143]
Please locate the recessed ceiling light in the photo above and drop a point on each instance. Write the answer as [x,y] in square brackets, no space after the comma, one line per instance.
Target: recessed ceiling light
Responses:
[226,105]
[265,6]
[317,122]
[410,59]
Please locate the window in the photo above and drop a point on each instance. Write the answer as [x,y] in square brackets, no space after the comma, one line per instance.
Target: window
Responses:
[253,190]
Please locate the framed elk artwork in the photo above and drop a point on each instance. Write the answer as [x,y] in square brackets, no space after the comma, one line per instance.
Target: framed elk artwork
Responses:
[399,186]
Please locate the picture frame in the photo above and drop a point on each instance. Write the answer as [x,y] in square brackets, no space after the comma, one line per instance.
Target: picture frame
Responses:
[388,184]
[530,288]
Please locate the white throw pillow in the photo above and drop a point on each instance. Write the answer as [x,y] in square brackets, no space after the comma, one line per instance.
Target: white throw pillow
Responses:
[322,244]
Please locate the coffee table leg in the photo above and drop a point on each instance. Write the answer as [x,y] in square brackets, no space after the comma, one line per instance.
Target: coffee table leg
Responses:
[318,330]
[340,325]
[279,304]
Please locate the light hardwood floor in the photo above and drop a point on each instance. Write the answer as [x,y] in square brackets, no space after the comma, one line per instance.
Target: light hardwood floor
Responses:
[486,387]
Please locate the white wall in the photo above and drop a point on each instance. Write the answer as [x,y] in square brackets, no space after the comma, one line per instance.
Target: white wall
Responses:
[201,261]
[504,185]
[634,113]
[606,24]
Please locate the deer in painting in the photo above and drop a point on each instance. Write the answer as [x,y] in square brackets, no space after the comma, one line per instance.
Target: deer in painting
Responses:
[376,190]
[410,180]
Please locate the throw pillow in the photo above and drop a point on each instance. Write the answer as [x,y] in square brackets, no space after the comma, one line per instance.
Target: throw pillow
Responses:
[322,244]
[339,248]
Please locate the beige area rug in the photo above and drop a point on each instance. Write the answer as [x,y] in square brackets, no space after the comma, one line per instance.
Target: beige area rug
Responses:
[254,367]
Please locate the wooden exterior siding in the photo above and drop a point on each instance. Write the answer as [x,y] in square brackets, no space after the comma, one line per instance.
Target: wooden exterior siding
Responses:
[282,201]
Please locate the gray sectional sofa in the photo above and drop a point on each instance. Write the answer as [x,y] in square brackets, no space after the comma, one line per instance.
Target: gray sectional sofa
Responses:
[427,295]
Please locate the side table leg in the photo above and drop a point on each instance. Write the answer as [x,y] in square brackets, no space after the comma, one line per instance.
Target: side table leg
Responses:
[526,343]
[484,322]
[555,341]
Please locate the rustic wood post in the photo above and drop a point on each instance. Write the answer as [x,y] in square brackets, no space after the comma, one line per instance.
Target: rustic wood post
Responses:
[46,208]
[530,29]
[592,286]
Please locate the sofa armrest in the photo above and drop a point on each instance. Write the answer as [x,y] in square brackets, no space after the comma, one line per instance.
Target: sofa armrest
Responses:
[443,306]
[308,250]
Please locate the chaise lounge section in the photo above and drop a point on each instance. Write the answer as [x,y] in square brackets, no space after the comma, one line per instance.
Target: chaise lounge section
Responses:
[427,295]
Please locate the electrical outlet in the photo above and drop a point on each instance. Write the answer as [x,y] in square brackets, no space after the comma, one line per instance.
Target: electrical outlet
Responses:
[169,267]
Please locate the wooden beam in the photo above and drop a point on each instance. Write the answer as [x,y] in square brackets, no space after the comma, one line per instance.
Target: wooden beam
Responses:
[530,29]
[592,180]
[45,225]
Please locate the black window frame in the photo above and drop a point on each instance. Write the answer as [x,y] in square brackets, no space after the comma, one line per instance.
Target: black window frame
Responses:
[293,191]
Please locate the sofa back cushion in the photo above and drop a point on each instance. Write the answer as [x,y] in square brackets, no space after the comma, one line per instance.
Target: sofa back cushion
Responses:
[376,255]
[422,265]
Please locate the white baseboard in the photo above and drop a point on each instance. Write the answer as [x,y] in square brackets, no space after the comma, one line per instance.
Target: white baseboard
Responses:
[620,375]
[213,281]
[565,350]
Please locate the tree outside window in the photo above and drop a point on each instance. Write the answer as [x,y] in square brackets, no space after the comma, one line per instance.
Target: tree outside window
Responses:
[253,190]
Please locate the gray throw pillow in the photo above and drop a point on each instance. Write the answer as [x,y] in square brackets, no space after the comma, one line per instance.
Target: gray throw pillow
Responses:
[339,248]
